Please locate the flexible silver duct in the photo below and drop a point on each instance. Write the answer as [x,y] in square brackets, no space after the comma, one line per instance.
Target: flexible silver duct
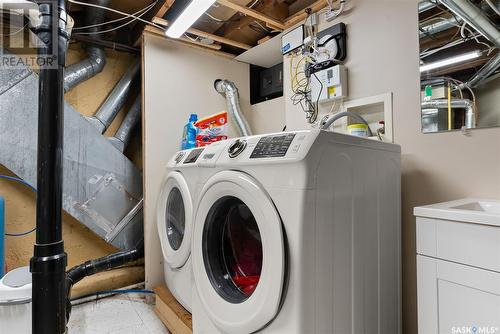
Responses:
[229,90]
[470,119]
[340,115]
[122,137]
[96,60]
[438,26]
[425,6]
[476,19]
[115,101]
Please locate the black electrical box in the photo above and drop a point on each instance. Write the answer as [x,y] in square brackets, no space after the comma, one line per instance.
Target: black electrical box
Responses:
[265,83]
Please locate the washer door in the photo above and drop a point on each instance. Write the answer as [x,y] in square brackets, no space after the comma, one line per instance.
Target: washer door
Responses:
[175,220]
[238,253]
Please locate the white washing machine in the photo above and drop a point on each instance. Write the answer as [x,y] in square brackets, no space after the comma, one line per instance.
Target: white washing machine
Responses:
[175,214]
[175,219]
[298,232]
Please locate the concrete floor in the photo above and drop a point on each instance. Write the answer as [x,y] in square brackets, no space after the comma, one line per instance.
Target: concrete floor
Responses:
[123,314]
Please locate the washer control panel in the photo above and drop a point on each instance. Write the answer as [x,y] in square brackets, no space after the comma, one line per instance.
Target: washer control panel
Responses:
[193,156]
[237,147]
[273,146]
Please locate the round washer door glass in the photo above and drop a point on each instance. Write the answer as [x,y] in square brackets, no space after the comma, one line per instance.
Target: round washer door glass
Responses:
[175,218]
[232,249]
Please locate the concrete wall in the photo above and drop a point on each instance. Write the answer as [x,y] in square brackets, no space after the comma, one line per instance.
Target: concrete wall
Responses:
[383,57]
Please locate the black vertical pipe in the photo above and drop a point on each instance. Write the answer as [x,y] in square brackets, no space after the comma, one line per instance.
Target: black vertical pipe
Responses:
[49,262]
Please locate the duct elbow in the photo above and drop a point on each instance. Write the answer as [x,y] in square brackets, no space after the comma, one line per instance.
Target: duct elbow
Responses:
[229,90]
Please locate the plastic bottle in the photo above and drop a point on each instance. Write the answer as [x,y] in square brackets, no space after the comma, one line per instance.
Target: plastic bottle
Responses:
[190,132]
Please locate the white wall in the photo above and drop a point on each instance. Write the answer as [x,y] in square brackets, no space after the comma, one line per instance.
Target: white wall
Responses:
[383,57]
[488,98]
[177,81]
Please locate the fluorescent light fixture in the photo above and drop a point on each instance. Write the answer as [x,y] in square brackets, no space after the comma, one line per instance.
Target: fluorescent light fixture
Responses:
[189,16]
[450,61]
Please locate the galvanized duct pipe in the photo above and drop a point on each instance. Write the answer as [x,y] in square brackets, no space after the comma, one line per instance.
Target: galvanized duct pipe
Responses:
[438,26]
[230,91]
[424,6]
[488,69]
[115,101]
[122,137]
[470,120]
[89,67]
[476,19]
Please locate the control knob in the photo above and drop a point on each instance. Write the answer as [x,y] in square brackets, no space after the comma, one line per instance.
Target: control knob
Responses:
[237,147]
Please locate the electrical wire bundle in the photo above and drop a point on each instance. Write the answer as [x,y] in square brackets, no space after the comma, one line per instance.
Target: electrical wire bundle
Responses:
[301,88]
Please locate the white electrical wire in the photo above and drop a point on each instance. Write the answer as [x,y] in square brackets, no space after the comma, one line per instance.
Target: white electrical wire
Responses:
[147,8]
[112,29]
[117,12]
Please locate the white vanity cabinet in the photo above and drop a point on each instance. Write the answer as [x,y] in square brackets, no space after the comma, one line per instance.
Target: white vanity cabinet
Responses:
[458,267]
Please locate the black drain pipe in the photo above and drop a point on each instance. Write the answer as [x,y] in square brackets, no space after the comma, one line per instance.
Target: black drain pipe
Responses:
[49,261]
[92,267]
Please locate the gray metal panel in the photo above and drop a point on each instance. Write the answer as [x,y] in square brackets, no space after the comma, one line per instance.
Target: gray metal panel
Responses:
[101,186]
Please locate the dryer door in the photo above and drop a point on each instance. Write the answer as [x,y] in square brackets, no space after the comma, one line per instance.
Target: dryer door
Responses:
[238,253]
[175,220]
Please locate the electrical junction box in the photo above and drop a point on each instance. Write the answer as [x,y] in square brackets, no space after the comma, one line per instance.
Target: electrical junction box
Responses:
[292,40]
[329,83]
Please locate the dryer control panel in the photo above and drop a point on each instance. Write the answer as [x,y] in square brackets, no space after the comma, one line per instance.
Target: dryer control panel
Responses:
[273,146]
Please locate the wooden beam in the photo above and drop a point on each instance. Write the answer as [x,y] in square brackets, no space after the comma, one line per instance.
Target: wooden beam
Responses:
[253,13]
[204,34]
[302,15]
[159,10]
[200,46]
[160,32]
[166,6]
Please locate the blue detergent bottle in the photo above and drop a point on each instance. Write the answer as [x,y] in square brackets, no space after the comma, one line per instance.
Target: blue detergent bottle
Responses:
[190,132]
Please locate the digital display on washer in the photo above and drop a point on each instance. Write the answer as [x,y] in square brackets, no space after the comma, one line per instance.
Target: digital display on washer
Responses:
[193,156]
[272,146]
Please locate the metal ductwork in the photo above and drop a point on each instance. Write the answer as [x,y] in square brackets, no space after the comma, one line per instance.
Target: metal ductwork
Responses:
[488,69]
[424,6]
[96,60]
[115,101]
[102,188]
[438,26]
[122,137]
[471,14]
[230,91]
[470,119]
[476,19]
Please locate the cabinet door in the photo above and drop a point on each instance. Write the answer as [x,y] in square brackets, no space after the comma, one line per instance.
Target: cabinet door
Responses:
[454,298]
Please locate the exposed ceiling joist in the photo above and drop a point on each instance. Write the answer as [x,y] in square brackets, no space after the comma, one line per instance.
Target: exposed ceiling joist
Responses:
[204,34]
[189,43]
[302,15]
[253,13]
[159,9]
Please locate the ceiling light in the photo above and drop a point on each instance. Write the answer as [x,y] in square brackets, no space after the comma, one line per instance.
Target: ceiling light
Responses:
[450,61]
[189,16]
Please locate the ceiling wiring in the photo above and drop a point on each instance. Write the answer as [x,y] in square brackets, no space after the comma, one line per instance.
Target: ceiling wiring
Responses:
[147,8]
[112,29]
[117,12]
